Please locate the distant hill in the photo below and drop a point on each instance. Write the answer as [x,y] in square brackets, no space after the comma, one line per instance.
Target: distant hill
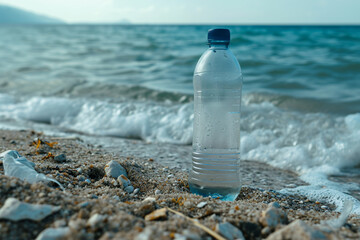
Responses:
[124,22]
[12,15]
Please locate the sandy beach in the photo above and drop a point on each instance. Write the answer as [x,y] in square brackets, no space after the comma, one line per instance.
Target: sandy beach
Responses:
[97,206]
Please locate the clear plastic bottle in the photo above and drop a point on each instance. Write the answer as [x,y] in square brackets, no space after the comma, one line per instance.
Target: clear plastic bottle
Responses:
[217,104]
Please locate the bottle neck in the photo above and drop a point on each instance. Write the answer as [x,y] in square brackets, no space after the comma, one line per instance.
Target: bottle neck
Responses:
[218,46]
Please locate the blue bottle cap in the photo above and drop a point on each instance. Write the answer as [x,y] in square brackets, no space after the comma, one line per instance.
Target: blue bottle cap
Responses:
[221,35]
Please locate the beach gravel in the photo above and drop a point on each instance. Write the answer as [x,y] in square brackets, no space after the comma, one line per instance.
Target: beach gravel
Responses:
[299,230]
[93,207]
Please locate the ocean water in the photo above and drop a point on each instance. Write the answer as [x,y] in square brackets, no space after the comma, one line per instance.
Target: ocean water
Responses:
[301,101]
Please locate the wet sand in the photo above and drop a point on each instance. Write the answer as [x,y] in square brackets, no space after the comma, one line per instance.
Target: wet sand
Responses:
[89,192]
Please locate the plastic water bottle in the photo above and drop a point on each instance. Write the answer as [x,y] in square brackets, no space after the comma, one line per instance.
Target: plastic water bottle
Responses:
[216,136]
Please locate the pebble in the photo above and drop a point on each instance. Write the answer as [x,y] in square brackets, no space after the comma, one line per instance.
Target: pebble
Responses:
[88,181]
[150,199]
[215,218]
[273,216]
[266,231]
[229,231]
[54,233]
[60,223]
[114,169]
[324,207]
[124,181]
[95,220]
[179,237]
[298,230]
[114,182]
[79,170]
[291,185]
[137,190]
[83,204]
[77,223]
[187,204]
[190,235]
[232,211]
[81,178]
[145,235]
[157,192]
[60,158]
[274,204]
[117,198]
[301,212]
[157,214]
[15,210]
[201,204]
[129,189]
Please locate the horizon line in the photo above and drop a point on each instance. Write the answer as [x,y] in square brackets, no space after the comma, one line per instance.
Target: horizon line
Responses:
[188,24]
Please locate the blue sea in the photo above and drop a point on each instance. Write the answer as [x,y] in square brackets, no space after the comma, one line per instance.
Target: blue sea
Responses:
[301,95]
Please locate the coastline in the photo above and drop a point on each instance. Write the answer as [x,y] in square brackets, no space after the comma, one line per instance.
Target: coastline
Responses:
[123,213]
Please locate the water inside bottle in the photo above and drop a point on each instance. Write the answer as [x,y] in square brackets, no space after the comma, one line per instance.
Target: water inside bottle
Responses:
[216,144]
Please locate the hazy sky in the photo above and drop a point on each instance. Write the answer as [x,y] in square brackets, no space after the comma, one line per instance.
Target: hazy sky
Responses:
[197,11]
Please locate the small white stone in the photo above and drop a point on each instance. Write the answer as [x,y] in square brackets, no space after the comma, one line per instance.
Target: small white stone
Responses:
[95,220]
[201,204]
[145,235]
[124,181]
[229,231]
[81,178]
[60,223]
[114,169]
[180,237]
[83,204]
[324,207]
[187,204]
[157,192]
[215,218]
[53,233]
[88,181]
[79,170]
[190,235]
[274,204]
[150,199]
[272,217]
[137,190]
[114,182]
[232,211]
[129,189]
[15,210]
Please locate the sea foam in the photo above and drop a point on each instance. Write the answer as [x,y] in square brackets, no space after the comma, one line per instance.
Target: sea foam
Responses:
[315,145]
